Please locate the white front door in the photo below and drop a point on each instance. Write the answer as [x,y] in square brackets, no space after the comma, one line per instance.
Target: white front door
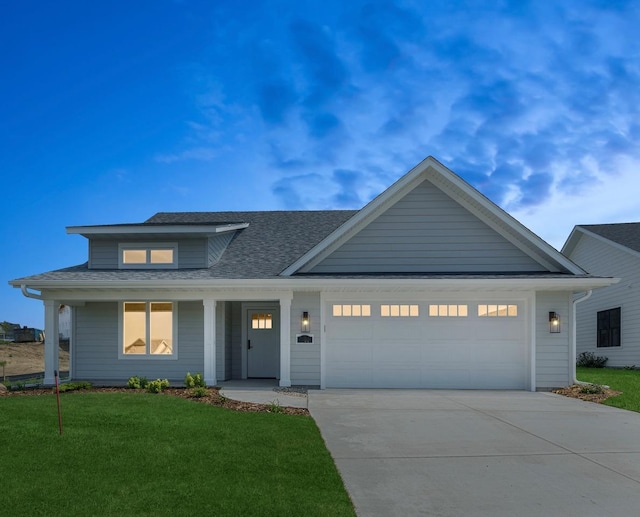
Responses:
[263,342]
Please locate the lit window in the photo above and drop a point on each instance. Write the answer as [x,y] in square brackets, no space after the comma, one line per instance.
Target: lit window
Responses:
[148,255]
[498,310]
[399,311]
[352,310]
[147,328]
[449,310]
[261,321]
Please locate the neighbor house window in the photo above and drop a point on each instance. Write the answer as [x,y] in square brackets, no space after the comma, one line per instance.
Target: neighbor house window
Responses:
[609,328]
[352,310]
[262,321]
[498,310]
[448,310]
[147,329]
[399,311]
[148,255]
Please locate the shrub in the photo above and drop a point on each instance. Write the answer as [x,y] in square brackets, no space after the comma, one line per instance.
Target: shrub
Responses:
[591,389]
[73,386]
[590,360]
[137,383]
[199,392]
[157,386]
[194,381]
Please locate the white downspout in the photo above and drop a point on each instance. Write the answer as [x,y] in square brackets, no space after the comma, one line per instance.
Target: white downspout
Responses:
[574,336]
[25,292]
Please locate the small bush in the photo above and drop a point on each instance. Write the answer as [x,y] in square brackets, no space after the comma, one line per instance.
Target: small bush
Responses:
[629,367]
[157,386]
[137,383]
[194,381]
[74,386]
[591,389]
[199,392]
[275,407]
[590,360]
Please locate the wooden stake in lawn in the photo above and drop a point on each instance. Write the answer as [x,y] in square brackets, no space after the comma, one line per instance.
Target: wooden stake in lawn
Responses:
[55,374]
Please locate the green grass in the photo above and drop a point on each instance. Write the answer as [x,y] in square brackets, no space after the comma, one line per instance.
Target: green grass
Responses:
[626,381]
[145,454]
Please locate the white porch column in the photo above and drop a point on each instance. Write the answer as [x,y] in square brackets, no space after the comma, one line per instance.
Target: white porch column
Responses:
[51,341]
[210,342]
[285,341]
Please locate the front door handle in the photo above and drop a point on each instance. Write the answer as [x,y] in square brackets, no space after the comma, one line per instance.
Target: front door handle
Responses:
[248,344]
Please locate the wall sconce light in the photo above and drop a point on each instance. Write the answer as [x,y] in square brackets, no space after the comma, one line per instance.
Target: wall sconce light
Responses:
[305,324]
[554,322]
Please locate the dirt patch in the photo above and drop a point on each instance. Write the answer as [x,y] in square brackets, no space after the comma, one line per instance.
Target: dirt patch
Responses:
[577,391]
[27,358]
[212,397]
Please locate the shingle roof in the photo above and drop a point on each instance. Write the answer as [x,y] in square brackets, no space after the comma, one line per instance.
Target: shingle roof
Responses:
[626,234]
[271,242]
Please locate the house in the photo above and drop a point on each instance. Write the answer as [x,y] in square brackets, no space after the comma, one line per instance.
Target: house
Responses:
[430,285]
[608,323]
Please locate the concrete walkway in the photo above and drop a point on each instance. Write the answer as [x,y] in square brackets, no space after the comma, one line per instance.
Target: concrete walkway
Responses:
[263,392]
[481,453]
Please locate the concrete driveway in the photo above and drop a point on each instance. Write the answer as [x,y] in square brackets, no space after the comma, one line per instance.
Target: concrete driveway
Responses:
[481,453]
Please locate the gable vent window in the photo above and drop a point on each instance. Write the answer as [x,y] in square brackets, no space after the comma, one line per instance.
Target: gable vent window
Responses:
[609,328]
[499,311]
[350,310]
[402,311]
[459,311]
[134,256]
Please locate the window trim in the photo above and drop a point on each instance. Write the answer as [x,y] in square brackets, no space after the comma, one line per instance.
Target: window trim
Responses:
[148,247]
[147,355]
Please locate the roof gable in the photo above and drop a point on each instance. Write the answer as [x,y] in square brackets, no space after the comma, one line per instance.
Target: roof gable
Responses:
[624,236]
[442,208]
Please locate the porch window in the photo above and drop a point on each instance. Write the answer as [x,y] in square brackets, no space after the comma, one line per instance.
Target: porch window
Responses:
[262,321]
[148,328]
[609,328]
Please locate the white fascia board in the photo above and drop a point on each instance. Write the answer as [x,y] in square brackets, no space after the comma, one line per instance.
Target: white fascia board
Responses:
[573,284]
[141,229]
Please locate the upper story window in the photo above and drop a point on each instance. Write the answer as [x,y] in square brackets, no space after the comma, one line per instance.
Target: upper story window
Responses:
[148,255]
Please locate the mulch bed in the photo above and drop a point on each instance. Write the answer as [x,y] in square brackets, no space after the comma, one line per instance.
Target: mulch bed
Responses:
[212,397]
[575,392]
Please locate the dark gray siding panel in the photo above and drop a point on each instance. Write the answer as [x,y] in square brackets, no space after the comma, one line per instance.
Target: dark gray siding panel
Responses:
[216,246]
[103,254]
[97,343]
[425,232]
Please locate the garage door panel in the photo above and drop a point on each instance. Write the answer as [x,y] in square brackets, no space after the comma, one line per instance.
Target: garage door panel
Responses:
[448,352]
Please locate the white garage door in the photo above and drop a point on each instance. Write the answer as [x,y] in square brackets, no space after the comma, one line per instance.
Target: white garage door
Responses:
[427,345]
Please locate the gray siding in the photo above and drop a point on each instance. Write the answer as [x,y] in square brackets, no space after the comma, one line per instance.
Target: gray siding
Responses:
[192,253]
[305,358]
[600,258]
[553,369]
[427,231]
[216,246]
[96,346]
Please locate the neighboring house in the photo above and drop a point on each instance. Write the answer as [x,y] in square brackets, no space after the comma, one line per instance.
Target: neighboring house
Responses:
[608,323]
[430,285]
[7,331]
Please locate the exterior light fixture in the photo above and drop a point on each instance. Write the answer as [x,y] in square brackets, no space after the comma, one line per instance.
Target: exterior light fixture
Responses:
[305,324]
[554,322]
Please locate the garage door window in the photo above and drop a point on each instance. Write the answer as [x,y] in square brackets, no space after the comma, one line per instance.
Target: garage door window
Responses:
[351,310]
[499,311]
[448,310]
[402,311]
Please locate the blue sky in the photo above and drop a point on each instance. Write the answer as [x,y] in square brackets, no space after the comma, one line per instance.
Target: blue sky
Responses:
[112,111]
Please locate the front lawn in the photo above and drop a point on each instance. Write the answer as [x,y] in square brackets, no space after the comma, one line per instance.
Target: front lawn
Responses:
[145,454]
[626,381]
